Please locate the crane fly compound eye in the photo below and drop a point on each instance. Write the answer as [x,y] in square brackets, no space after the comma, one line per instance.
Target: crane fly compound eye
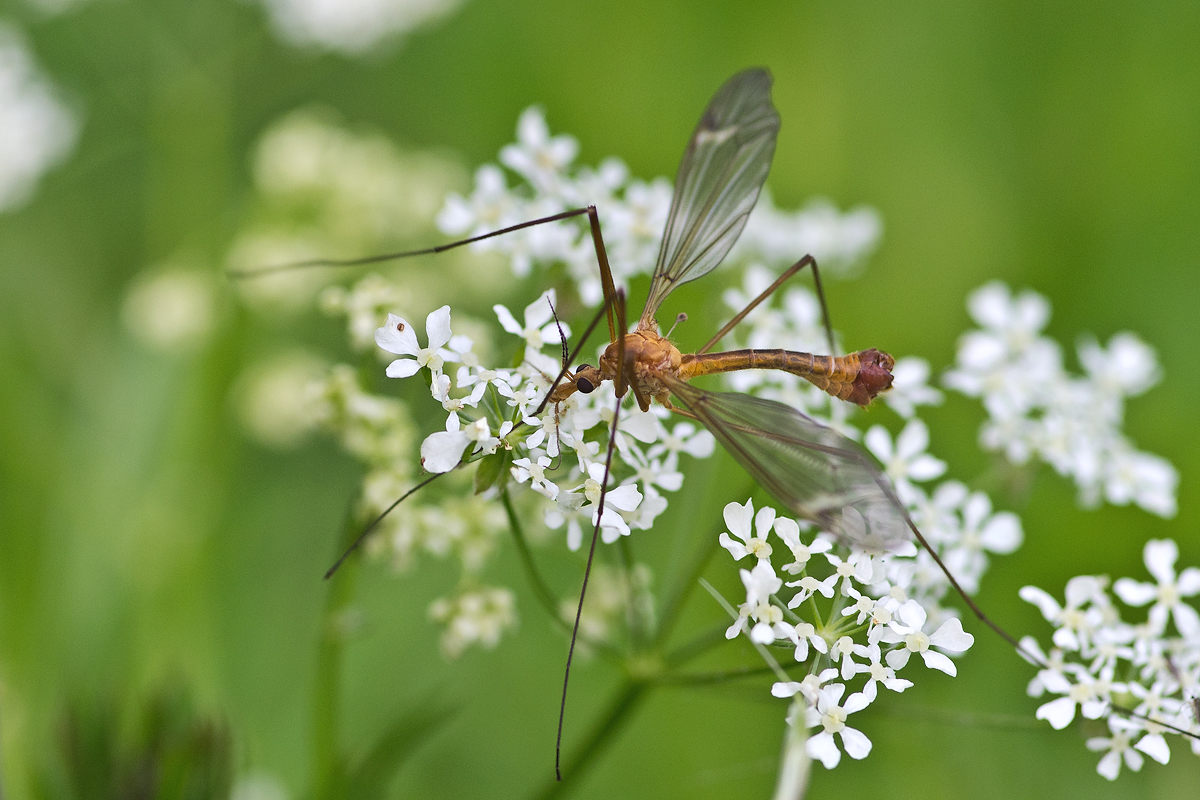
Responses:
[585,386]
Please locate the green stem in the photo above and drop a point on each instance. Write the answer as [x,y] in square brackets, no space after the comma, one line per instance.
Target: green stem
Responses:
[632,621]
[624,703]
[541,590]
[327,698]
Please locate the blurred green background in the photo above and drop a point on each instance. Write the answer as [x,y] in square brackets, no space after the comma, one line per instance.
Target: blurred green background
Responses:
[144,542]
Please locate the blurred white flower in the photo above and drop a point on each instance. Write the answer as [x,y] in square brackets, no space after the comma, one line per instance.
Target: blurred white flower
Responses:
[1037,409]
[351,27]
[170,309]
[259,785]
[274,399]
[474,617]
[364,305]
[37,131]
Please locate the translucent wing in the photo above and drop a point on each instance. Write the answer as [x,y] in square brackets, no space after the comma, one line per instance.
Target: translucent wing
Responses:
[723,168]
[816,472]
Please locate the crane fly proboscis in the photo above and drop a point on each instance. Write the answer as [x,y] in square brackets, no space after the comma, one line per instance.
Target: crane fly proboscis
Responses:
[815,472]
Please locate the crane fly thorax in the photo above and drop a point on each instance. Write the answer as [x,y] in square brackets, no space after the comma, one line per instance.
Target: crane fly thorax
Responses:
[648,355]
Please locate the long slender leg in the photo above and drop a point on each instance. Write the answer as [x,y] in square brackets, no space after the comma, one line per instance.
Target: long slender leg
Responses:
[606,278]
[753,304]
[622,383]
[358,262]
[562,710]
[374,523]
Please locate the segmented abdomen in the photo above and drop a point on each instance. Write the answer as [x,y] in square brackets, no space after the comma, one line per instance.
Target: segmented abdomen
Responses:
[856,378]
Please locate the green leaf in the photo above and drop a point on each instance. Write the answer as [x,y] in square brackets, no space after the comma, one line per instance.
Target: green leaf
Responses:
[492,469]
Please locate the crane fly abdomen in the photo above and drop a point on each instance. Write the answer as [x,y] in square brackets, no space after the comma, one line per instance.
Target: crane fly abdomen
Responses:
[857,377]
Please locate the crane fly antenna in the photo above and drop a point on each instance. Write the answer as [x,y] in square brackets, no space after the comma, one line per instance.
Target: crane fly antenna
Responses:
[573,355]
[358,262]
[807,261]
[562,338]
[374,523]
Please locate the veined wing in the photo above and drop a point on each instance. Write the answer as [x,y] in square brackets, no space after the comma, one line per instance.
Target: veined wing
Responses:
[723,168]
[816,472]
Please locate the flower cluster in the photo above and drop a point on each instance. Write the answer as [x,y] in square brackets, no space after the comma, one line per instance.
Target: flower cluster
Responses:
[633,213]
[843,614]
[1036,409]
[1142,677]
[478,617]
[560,454]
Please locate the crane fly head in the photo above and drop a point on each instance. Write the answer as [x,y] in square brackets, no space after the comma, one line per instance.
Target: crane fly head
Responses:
[587,378]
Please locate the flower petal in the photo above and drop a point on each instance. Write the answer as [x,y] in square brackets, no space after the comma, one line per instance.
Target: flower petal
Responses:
[1155,746]
[823,749]
[403,368]
[507,320]
[437,327]
[951,636]
[1160,556]
[857,745]
[935,660]
[441,451]
[1135,593]
[397,336]
[1058,713]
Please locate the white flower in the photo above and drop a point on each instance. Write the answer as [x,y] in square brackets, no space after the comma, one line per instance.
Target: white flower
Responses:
[910,387]
[1075,624]
[760,582]
[832,719]
[478,617]
[1118,748]
[908,461]
[397,336]
[442,451]
[789,531]
[538,157]
[907,627]
[738,519]
[1160,556]
[1128,366]
[523,469]
[685,438]
[575,505]
[981,531]
[490,207]
[1090,694]
[1143,478]
[539,330]
[878,673]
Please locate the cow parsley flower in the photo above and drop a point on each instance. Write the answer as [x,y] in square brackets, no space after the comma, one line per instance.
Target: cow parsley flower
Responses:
[1036,409]
[397,336]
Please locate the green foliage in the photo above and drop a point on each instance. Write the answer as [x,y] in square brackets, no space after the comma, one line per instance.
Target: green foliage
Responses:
[1050,145]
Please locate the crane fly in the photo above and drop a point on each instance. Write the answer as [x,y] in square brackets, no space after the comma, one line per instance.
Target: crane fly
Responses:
[815,472]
